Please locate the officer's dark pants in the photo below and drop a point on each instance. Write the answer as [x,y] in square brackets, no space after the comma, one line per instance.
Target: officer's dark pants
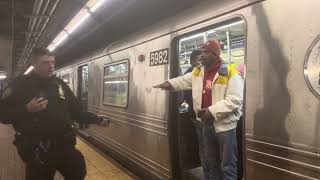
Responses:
[218,152]
[68,161]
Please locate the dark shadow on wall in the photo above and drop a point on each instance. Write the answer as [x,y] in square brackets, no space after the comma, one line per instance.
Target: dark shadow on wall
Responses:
[270,120]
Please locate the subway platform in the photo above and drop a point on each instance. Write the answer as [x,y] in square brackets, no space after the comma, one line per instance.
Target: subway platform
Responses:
[99,166]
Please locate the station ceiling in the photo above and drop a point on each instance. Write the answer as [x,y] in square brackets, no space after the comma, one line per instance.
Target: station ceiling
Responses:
[29,28]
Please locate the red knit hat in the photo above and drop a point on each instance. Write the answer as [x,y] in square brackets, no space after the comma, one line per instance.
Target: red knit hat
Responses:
[213,46]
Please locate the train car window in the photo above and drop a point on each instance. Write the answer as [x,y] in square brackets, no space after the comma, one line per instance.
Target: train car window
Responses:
[83,85]
[66,78]
[231,36]
[115,84]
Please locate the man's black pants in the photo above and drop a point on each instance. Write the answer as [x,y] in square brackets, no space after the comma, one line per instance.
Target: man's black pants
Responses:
[240,148]
[68,161]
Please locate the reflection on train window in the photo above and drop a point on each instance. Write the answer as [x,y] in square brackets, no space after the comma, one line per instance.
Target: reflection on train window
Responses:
[84,86]
[115,84]
[231,36]
[66,78]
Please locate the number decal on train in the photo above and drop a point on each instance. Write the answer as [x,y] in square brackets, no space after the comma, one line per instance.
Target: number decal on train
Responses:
[159,57]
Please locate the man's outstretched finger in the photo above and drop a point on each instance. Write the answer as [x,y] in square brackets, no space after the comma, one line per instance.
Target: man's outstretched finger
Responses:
[158,86]
[164,86]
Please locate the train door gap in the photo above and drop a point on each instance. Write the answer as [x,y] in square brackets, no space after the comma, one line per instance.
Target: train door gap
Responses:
[184,141]
[83,87]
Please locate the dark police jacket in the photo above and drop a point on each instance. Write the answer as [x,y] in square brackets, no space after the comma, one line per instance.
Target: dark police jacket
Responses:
[55,122]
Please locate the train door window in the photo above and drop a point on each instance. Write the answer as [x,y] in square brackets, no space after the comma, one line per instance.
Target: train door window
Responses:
[231,36]
[66,78]
[115,84]
[83,85]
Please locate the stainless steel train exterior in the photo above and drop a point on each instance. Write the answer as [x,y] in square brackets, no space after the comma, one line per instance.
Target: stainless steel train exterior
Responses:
[282,116]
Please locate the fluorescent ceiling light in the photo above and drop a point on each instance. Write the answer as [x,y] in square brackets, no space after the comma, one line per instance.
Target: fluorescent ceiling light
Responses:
[91,3]
[79,19]
[28,70]
[3,76]
[97,5]
[76,22]
[60,38]
[51,47]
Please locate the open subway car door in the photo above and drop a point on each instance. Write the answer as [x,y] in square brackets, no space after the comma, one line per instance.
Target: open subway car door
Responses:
[232,37]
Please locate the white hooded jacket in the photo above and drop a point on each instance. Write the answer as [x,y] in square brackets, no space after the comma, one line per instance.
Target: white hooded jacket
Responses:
[227,95]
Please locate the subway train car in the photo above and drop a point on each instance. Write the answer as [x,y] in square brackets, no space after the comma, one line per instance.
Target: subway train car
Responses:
[278,42]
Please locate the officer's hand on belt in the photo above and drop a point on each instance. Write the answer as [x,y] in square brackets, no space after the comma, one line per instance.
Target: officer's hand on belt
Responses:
[37,104]
[103,120]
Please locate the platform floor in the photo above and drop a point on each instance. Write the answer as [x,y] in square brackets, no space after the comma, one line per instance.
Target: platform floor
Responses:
[99,166]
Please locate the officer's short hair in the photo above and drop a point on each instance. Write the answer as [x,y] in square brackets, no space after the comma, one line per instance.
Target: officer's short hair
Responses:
[37,52]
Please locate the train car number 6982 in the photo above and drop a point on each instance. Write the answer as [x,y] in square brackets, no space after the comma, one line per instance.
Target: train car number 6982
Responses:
[159,57]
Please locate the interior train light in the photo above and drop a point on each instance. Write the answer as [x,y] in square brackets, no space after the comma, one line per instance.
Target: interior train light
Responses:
[229,25]
[28,70]
[192,37]
[212,31]
[3,76]
[115,82]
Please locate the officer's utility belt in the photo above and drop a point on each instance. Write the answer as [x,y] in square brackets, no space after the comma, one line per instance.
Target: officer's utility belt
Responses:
[42,149]
[60,141]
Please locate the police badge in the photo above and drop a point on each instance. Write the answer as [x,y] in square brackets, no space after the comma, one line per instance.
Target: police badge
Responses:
[61,93]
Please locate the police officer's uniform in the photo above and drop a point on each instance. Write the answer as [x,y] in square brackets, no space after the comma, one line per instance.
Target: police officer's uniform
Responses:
[45,140]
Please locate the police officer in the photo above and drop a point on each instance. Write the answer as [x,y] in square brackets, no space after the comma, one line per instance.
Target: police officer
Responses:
[42,109]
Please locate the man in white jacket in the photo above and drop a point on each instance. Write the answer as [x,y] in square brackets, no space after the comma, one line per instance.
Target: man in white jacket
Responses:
[217,101]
